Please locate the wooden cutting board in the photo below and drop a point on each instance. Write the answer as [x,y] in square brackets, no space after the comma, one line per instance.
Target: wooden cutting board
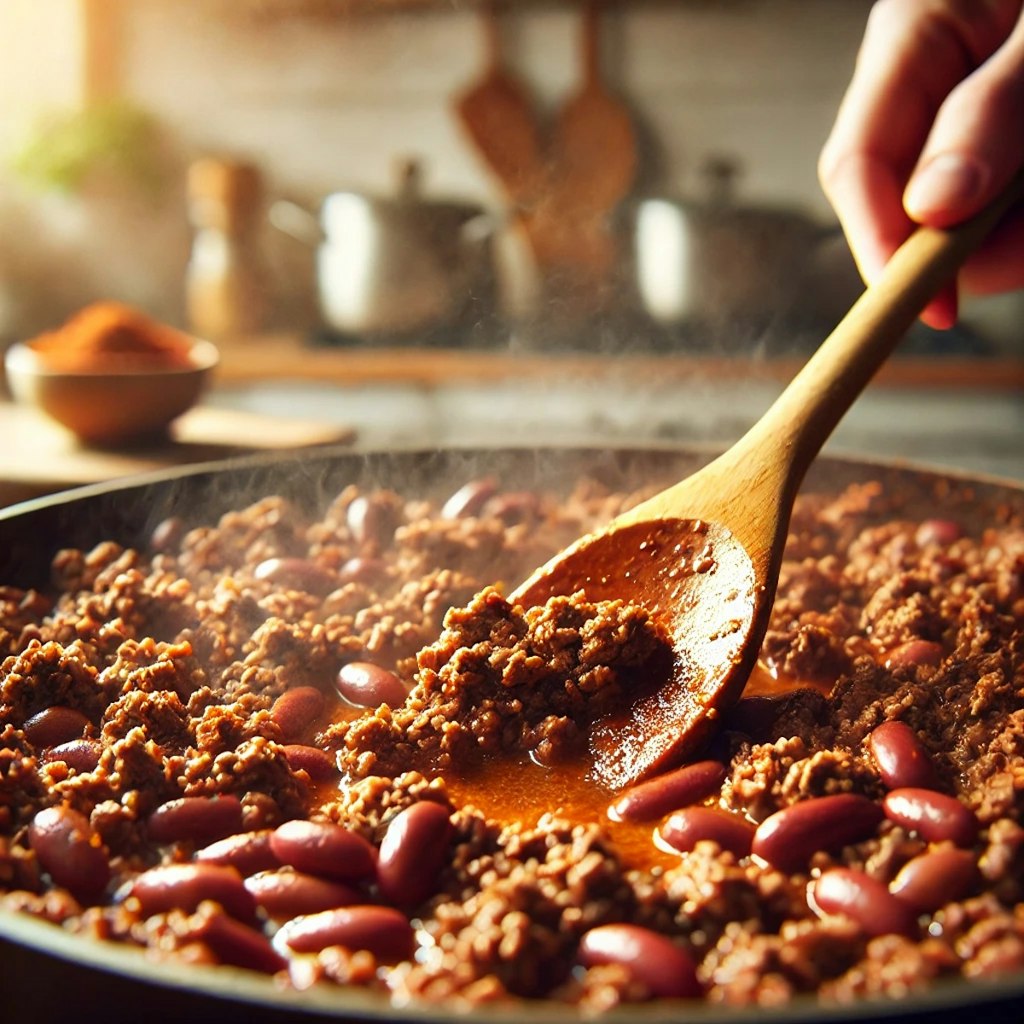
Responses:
[38,456]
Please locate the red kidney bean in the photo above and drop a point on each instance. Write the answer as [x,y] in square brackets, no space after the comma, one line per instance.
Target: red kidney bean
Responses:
[185,886]
[687,827]
[790,837]
[373,521]
[246,852]
[286,893]
[167,534]
[756,716]
[239,945]
[666,969]
[368,686]
[55,725]
[513,506]
[914,653]
[936,877]
[70,850]
[198,818]
[80,755]
[934,816]
[938,532]
[298,574]
[664,793]
[316,763]
[864,900]
[469,500]
[322,848]
[362,570]
[296,710]
[412,852]
[901,758]
[383,931]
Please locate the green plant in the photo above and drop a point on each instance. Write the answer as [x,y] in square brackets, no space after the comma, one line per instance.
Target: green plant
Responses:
[67,146]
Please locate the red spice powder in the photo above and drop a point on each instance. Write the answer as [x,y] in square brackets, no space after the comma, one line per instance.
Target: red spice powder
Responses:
[110,336]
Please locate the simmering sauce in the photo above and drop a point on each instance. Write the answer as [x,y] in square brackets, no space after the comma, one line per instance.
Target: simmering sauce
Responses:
[520,791]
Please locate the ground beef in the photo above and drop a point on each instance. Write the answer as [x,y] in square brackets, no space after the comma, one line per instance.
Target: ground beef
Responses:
[205,668]
[503,681]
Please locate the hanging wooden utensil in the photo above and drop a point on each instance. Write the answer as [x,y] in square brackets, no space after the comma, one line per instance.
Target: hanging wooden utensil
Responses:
[594,145]
[498,115]
[592,167]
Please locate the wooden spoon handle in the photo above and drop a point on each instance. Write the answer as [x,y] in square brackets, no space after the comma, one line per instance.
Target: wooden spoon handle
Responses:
[817,398]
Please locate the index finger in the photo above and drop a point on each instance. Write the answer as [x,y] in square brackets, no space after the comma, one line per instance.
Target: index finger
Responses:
[909,61]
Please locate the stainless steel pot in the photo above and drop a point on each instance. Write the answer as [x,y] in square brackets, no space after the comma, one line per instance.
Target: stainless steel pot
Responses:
[397,265]
[716,264]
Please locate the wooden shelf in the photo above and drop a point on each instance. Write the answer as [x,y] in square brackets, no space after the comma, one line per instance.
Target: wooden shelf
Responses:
[286,357]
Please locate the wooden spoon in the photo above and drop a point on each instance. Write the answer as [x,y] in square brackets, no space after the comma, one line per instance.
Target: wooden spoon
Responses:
[703,556]
[498,115]
[595,156]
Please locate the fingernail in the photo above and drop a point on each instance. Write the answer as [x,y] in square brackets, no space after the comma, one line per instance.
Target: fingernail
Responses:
[948,183]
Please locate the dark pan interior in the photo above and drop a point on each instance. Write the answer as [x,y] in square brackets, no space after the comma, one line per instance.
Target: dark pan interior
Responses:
[47,975]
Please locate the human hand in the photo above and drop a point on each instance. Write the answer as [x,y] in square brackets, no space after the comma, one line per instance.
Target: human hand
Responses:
[931,128]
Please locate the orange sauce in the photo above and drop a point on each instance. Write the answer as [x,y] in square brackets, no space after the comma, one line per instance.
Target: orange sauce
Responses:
[517,791]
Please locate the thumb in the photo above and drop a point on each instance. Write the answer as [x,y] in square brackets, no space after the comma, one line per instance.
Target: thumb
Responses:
[976,144]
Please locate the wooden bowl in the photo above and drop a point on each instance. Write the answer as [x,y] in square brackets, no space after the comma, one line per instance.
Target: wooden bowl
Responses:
[109,407]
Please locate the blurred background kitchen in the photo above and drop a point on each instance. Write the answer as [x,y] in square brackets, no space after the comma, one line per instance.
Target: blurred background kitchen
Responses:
[438,222]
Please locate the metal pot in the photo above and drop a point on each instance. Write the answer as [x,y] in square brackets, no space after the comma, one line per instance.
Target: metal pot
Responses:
[715,264]
[398,265]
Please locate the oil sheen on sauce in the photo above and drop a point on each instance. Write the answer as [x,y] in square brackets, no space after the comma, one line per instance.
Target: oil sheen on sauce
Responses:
[514,791]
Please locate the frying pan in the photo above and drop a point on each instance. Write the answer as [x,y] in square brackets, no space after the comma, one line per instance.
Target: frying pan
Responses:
[48,975]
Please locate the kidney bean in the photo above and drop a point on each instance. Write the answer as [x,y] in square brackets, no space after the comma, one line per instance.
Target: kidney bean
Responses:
[322,848]
[901,758]
[185,886]
[936,877]
[167,534]
[362,570]
[286,893]
[198,818]
[914,653]
[55,725]
[239,945]
[756,716]
[70,850]
[687,785]
[864,900]
[368,686]
[246,852]
[937,532]
[412,853]
[373,521]
[80,755]
[664,968]
[934,816]
[687,827]
[383,931]
[513,506]
[296,710]
[790,837]
[316,763]
[297,574]
[469,500]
